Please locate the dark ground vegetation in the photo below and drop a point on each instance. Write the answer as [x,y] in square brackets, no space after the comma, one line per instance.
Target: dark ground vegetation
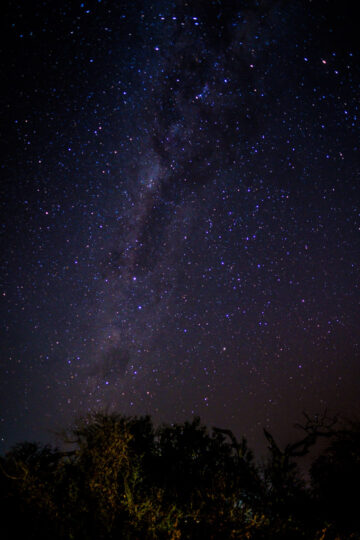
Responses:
[122,478]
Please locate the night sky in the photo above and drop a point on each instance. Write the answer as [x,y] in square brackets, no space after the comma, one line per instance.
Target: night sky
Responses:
[180,213]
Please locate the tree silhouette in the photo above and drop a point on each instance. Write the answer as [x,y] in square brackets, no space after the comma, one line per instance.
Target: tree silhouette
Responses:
[336,479]
[122,478]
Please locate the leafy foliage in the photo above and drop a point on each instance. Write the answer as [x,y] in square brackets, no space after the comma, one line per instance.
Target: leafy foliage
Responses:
[125,479]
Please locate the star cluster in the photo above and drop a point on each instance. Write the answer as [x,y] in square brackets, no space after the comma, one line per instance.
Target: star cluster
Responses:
[180,212]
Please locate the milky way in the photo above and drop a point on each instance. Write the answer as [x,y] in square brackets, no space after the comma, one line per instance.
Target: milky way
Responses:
[181,213]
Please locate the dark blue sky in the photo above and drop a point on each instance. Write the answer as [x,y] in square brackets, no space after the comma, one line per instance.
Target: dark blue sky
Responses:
[180,213]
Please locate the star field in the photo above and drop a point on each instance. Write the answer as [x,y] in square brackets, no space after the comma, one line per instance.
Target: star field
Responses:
[180,213]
